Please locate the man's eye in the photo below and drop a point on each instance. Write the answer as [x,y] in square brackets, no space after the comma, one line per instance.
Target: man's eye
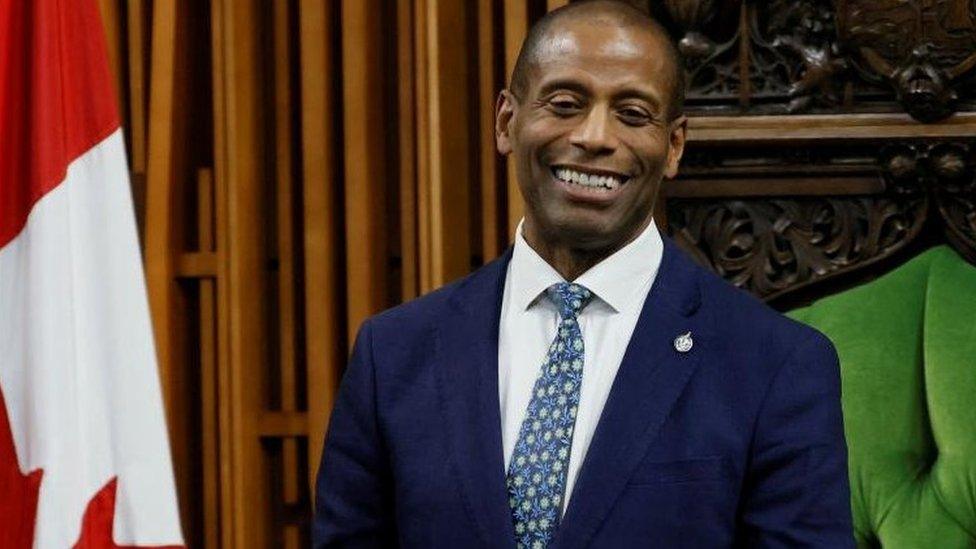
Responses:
[564,106]
[634,116]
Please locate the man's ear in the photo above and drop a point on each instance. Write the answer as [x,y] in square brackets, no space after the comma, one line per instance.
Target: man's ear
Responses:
[504,115]
[678,133]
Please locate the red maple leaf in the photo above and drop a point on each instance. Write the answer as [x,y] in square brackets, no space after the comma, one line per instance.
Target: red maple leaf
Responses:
[18,503]
[96,526]
[18,492]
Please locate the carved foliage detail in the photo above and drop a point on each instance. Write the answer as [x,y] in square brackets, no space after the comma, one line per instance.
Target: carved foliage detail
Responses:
[948,170]
[919,47]
[772,246]
[831,55]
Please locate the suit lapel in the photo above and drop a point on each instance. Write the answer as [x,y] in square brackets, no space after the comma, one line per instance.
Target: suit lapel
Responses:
[467,371]
[650,380]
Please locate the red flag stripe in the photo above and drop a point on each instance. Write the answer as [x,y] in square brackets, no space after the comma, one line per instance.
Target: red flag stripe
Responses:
[56,99]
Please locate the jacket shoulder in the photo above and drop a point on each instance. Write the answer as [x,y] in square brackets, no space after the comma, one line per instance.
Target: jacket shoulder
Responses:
[743,321]
[419,314]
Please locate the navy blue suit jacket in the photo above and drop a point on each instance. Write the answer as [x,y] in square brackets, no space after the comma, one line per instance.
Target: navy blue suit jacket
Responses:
[736,443]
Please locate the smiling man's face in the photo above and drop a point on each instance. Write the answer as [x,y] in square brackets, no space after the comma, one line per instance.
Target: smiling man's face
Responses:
[591,134]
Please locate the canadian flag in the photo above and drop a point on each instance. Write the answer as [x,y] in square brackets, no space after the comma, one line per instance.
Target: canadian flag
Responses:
[84,456]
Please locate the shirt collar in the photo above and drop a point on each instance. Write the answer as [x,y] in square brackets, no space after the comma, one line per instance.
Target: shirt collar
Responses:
[530,274]
[617,280]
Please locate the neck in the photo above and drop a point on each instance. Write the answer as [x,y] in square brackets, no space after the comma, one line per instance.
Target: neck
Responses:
[568,260]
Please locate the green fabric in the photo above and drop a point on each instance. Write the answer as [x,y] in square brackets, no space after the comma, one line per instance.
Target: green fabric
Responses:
[907,347]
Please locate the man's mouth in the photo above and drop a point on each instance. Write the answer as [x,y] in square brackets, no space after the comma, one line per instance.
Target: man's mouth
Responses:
[596,180]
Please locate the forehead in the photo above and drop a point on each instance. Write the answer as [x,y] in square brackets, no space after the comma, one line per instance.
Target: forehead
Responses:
[606,52]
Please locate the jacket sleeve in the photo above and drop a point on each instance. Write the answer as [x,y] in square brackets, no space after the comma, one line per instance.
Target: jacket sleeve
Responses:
[354,489]
[796,492]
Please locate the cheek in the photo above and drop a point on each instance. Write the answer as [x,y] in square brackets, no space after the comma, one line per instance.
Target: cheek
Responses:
[651,152]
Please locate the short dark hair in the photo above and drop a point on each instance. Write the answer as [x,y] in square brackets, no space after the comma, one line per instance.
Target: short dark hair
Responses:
[622,13]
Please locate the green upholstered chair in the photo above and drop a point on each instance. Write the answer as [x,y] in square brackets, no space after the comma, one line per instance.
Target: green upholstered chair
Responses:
[907,346]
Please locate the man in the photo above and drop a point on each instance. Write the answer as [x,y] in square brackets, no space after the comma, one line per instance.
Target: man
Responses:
[592,387]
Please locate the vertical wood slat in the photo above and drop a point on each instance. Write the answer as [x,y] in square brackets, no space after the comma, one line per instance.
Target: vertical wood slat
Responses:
[287,292]
[450,154]
[423,128]
[406,96]
[285,202]
[324,360]
[160,177]
[489,157]
[516,27]
[229,433]
[364,125]
[239,153]
[112,23]
[209,423]
[745,86]
[228,456]
[136,36]
[163,219]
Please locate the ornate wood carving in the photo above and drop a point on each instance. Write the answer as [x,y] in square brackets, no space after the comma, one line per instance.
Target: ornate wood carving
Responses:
[953,170]
[921,48]
[786,56]
[772,246]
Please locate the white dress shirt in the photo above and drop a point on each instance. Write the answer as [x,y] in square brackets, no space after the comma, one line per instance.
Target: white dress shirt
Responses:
[528,323]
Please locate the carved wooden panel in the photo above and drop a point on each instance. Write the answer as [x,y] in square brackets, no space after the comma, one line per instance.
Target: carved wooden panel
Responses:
[776,219]
[788,56]
[772,246]
[777,192]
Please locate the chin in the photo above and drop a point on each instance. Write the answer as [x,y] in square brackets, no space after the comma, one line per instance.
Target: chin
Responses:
[587,234]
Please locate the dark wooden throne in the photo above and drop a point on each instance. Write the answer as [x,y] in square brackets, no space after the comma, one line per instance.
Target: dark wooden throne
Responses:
[828,140]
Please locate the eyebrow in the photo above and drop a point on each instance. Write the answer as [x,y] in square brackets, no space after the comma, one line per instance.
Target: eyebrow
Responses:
[564,84]
[579,87]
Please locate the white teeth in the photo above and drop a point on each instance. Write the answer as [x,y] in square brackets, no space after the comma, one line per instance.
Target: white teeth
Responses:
[588,180]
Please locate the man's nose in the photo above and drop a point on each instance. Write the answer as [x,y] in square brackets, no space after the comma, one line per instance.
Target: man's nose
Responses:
[595,134]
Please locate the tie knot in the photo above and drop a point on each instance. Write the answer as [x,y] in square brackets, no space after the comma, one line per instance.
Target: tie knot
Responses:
[570,298]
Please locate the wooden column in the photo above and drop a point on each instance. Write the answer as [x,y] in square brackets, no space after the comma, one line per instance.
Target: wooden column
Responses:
[325,337]
[489,84]
[239,155]
[364,129]
[516,27]
[449,150]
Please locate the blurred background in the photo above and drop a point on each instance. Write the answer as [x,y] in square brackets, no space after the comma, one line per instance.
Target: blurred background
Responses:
[299,165]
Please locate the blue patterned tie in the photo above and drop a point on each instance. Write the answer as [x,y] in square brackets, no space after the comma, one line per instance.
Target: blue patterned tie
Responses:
[537,473]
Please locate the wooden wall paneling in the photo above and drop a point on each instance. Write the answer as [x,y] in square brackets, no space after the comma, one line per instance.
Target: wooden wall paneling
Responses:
[229,459]
[166,220]
[516,27]
[240,169]
[553,4]
[407,135]
[450,152]
[325,334]
[745,82]
[112,22]
[423,131]
[488,87]
[365,125]
[136,34]
[288,264]
[209,420]
[161,168]
[812,129]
